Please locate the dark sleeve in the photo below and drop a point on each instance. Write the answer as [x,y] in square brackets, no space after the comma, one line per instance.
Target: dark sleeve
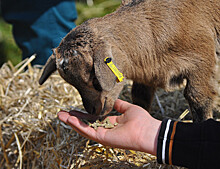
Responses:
[191,145]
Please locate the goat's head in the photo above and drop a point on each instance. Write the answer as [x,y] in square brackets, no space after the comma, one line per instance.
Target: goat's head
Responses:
[80,61]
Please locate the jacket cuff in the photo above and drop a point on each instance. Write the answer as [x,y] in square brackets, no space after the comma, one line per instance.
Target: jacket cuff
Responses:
[179,143]
[165,141]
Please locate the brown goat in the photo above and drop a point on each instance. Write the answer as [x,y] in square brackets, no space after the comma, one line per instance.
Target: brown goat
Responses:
[157,44]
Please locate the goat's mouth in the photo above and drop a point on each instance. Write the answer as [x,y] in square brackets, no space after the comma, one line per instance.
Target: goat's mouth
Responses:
[93,116]
[100,115]
[104,112]
[84,116]
[104,107]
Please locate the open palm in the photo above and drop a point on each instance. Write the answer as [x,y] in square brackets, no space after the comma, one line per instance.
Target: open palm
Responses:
[132,132]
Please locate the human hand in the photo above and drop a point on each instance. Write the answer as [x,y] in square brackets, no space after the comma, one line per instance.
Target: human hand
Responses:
[136,129]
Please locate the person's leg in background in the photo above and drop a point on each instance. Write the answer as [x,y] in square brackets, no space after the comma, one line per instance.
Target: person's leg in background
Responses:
[39,25]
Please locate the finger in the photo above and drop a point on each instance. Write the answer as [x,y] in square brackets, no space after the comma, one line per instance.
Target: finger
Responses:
[121,106]
[77,125]
[83,129]
[63,116]
[97,135]
[74,122]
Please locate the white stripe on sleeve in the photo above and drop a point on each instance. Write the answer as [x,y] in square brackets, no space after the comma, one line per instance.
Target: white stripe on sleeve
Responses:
[164,141]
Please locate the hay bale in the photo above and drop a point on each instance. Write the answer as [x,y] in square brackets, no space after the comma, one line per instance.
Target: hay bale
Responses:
[31,136]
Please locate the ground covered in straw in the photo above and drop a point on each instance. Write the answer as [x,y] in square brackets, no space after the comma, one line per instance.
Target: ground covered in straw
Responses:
[31,136]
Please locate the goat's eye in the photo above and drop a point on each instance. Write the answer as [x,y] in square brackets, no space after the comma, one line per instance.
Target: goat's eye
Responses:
[96,84]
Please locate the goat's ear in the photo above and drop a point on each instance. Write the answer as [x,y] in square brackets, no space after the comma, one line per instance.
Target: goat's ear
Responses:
[49,68]
[106,78]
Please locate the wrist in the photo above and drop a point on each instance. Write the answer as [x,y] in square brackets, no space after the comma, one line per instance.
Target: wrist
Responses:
[150,133]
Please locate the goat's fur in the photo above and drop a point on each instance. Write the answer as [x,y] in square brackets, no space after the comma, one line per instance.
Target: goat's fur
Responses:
[154,43]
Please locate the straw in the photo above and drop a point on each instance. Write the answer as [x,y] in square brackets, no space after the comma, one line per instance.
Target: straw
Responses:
[19,149]
[31,136]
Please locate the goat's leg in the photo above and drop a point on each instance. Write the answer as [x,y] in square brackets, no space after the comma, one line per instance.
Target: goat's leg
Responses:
[142,95]
[200,93]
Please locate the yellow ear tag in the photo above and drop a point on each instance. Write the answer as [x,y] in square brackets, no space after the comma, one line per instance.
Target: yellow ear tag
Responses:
[114,69]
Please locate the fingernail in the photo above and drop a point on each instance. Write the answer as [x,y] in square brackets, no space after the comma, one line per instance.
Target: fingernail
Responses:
[61,112]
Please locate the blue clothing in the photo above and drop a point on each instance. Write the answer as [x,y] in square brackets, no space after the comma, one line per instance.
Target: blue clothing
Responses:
[39,25]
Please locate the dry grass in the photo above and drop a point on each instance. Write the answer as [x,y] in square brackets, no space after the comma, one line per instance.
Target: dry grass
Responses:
[31,136]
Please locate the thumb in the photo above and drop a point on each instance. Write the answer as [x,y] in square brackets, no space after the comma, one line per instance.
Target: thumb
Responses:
[121,106]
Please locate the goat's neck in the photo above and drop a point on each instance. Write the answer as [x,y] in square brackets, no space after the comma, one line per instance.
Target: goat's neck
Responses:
[134,41]
[138,54]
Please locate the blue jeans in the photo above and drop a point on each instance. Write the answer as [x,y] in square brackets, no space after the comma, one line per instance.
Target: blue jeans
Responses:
[39,25]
